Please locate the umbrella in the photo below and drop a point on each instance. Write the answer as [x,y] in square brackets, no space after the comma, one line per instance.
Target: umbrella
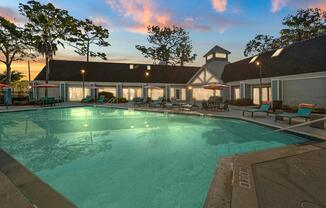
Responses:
[46,86]
[3,85]
[215,86]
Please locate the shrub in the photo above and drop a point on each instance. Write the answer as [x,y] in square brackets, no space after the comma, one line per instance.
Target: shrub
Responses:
[241,102]
[319,110]
[277,104]
[122,100]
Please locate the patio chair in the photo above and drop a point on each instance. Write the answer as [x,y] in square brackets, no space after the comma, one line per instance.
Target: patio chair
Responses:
[172,104]
[101,99]
[224,107]
[87,99]
[138,101]
[304,111]
[192,105]
[158,103]
[263,108]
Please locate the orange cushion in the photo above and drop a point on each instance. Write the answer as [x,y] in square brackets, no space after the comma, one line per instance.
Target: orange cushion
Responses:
[305,105]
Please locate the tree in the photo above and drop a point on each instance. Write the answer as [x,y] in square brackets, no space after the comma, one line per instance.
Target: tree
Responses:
[169,45]
[306,24]
[260,44]
[12,46]
[48,27]
[15,76]
[86,35]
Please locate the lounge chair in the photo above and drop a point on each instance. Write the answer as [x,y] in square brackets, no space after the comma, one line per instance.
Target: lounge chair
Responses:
[172,104]
[192,105]
[224,107]
[138,101]
[101,99]
[48,101]
[87,99]
[158,103]
[304,111]
[263,108]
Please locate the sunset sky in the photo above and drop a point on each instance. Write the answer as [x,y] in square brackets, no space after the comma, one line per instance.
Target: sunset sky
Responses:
[228,23]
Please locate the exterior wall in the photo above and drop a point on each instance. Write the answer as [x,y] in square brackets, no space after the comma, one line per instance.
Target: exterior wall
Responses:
[292,90]
[62,91]
[309,90]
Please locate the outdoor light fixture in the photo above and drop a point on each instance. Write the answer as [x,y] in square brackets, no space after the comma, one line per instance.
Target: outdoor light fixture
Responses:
[147,74]
[190,88]
[83,71]
[260,81]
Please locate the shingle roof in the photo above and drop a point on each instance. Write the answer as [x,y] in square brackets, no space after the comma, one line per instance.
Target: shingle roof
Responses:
[302,57]
[117,72]
[217,49]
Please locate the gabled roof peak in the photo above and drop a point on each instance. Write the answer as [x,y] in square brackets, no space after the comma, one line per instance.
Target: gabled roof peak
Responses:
[217,49]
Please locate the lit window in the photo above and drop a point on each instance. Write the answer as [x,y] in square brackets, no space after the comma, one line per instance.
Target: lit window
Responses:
[278,52]
[220,55]
[131,66]
[149,67]
[253,59]
[209,57]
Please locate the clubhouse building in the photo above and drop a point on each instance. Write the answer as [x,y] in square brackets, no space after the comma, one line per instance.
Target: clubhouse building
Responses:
[293,74]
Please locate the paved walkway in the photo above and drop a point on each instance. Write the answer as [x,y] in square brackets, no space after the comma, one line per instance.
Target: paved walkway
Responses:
[292,176]
[236,112]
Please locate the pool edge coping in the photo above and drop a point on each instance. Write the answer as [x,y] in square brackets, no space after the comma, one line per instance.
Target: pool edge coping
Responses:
[31,186]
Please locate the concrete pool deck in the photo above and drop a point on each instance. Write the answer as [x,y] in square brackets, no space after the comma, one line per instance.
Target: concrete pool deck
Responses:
[291,176]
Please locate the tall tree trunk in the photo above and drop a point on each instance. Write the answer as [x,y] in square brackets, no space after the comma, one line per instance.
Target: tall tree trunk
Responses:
[87,51]
[47,73]
[8,73]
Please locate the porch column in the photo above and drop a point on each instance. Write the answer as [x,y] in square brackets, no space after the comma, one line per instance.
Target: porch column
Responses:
[189,91]
[63,91]
[242,90]
[119,90]
[93,90]
[276,86]
[145,91]
[167,92]
[245,91]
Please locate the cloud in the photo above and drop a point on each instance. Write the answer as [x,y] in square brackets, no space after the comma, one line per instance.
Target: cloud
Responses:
[11,15]
[100,20]
[277,5]
[141,12]
[321,5]
[219,5]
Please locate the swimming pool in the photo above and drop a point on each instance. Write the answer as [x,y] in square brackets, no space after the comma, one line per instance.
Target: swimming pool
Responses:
[105,157]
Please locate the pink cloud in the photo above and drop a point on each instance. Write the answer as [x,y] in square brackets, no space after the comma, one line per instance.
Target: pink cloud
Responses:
[142,12]
[219,5]
[321,5]
[11,15]
[100,20]
[277,5]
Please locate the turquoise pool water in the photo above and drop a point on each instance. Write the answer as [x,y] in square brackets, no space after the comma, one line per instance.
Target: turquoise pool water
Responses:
[104,157]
